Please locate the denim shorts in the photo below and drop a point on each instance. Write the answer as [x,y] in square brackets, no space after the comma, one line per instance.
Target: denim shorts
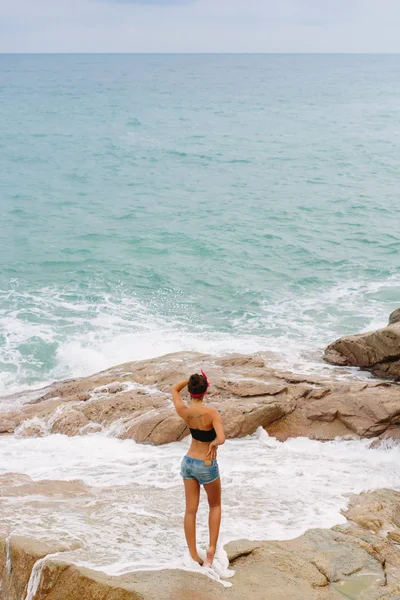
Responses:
[194,468]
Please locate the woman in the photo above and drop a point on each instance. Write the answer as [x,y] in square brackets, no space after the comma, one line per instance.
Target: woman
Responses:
[199,466]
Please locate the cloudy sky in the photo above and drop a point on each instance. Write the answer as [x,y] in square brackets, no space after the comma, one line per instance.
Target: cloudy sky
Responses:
[199,25]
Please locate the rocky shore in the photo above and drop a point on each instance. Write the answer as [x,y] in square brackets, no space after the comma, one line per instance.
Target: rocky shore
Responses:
[359,560]
[133,401]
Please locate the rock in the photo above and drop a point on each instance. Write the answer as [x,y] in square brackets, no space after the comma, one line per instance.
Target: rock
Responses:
[15,484]
[394,317]
[394,536]
[365,411]
[127,405]
[31,428]
[10,420]
[377,351]
[7,426]
[157,427]
[41,410]
[346,561]
[381,505]
[90,428]
[63,581]
[133,401]
[34,427]
[250,387]
[70,423]
[389,437]
[23,554]
[241,419]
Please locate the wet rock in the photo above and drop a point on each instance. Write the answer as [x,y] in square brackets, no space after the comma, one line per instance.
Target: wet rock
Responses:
[23,554]
[250,387]
[367,412]
[134,401]
[377,351]
[7,426]
[157,427]
[32,428]
[10,420]
[70,423]
[109,409]
[351,561]
[394,317]
[14,485]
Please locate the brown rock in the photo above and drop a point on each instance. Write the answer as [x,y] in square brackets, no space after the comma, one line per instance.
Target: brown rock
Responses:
[107,410]
[7,426]
[346,561]
[134,399]
[24,553]
[366,412]
[394,317]
[34,427]
[14,485]
[394,536]
[41,410]
[378,351]
[70,423]
[383,505]
[10,420]
[248,387]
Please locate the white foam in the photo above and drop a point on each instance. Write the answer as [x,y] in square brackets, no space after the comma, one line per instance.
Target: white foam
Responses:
[78,338]
[36,575]
[8,554]
[133,517]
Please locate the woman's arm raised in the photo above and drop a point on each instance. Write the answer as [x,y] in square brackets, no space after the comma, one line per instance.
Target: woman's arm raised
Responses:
[180,406]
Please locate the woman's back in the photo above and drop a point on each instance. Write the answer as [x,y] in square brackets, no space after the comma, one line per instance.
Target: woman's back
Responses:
[200,417]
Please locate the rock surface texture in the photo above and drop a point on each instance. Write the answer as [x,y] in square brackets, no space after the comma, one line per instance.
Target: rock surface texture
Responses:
[359,560]
[133,401]
[377,351]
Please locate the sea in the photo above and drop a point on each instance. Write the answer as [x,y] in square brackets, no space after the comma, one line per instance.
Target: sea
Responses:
[215,203]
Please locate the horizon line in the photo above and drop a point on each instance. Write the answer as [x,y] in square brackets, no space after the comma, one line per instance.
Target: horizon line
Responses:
[377,53]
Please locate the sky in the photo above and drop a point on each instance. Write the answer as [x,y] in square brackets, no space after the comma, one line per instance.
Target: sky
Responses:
[200,26]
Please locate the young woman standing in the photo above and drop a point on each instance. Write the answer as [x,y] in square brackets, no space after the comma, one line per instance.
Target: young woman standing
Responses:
[199,466]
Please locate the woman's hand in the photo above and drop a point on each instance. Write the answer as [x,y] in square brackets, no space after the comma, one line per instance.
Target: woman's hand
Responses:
[182,384]
[212,450]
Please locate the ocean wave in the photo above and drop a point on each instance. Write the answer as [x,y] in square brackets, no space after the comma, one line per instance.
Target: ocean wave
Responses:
[53,334]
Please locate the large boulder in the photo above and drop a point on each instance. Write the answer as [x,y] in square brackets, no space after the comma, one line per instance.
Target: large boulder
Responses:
[377,351]
[359,410]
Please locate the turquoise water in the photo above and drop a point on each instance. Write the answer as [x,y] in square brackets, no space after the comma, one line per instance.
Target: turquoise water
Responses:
[217,203]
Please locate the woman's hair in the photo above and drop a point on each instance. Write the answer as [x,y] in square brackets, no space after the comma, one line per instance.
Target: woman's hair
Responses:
[197,384]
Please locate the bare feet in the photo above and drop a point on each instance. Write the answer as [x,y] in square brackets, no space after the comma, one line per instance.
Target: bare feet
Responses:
[197,559]
[209,557]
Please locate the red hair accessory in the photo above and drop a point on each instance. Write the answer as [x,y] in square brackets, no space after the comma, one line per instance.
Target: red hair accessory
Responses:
[205,377]
[208,385]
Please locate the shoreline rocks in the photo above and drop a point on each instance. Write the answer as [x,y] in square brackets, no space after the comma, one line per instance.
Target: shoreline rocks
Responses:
[377,351]
[358,560]
[133,401]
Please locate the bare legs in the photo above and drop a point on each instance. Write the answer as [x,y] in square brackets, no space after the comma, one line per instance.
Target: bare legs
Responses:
[214,520]
[192,492]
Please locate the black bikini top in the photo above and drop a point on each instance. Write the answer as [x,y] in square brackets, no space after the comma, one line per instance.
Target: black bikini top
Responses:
[203,436]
